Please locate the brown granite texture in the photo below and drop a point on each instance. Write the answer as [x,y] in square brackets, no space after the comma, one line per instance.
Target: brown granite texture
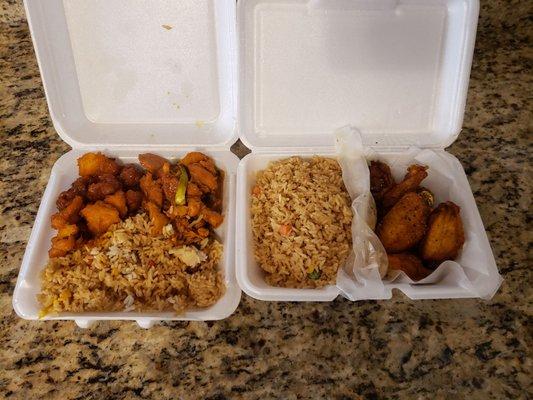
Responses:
[397,349]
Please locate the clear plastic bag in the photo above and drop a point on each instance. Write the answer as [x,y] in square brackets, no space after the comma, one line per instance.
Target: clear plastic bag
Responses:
[361,276]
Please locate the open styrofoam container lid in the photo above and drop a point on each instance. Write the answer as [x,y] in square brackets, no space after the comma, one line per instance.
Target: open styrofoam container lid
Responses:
[138,73]
[396,69]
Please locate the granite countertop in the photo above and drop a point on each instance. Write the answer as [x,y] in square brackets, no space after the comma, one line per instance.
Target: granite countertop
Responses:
[340,350]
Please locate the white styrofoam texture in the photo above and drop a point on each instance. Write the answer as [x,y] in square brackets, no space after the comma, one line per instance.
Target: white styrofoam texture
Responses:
[114,75]
[476,254]
[64,172]
[396,69]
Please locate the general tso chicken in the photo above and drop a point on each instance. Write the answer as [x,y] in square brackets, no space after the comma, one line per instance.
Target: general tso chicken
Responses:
[186,194]
[417,237]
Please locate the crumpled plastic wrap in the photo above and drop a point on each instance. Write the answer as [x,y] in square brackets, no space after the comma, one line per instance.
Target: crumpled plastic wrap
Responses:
[361,276]
[365,273]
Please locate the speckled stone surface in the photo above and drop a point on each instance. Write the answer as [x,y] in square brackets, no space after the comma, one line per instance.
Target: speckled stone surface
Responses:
[397,349]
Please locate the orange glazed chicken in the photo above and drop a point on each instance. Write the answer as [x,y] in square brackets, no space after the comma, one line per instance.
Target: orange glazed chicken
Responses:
[187,195]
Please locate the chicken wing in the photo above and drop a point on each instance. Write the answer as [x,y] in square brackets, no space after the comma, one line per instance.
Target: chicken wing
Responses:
[380,179]
[445,235]
[411,181]
[410,264]
[405,224]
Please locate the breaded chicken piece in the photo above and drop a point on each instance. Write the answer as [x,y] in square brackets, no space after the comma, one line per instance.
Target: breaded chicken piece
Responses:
[170,184]
[157,218]
[78,188]
[410,264]
[152,162]
[212,217]
[380,179]
[194,157]
[92,164]
[405,224]
[205,179]
[100,216]
[193,190]
[61,246]
[134,200]
[68,215]
[118,200]
[202,170]
[415,175]
[64,241]
[152,190]
[68,230]
[445,235]
[105,185]
[130,175]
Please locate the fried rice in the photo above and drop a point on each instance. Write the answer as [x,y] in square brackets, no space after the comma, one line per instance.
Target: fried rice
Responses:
[128,269]
[301,222]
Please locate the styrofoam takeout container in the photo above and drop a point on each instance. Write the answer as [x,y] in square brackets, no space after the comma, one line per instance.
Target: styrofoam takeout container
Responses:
[127,77]
[397,70]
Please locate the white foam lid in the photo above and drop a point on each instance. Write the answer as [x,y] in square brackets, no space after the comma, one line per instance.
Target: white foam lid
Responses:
[396,69]
[138,73]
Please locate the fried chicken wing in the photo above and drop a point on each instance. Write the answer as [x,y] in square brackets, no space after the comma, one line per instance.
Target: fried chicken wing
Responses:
[411,181]
[152,162]
[152,190]
[92,164]
[445,235]
[118,200]
[410,264]
[405,224]
[100,216]
[380,179]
